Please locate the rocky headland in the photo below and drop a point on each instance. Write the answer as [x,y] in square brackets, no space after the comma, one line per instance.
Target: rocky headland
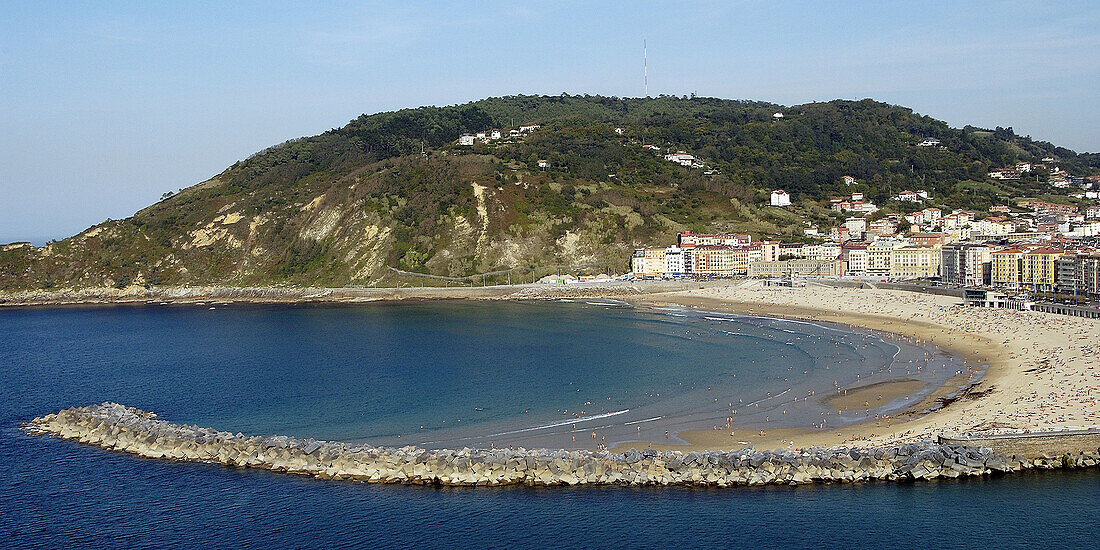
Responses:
[116,427]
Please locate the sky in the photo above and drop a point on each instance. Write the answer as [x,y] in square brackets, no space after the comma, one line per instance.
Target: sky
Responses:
[104,106]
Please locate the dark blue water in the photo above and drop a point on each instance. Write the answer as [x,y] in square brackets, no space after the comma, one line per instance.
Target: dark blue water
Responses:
[378,372]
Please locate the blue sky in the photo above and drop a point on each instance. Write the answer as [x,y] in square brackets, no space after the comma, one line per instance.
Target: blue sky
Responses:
[104,106]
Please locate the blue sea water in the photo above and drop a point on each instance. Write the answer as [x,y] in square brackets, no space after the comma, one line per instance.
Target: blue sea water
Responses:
[379,373]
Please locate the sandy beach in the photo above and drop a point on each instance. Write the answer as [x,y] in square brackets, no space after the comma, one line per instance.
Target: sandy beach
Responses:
[1042,367]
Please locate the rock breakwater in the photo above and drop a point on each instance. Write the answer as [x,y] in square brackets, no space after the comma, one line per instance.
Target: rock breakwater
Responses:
[284,295]
[137,294]
[116,427]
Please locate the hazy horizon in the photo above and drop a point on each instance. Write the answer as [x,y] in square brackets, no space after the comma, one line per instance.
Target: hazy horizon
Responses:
[106,108]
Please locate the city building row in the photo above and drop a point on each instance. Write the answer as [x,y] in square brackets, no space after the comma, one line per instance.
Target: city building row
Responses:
[1036,267]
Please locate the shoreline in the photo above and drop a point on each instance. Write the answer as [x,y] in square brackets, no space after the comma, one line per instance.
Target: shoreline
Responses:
[849,434]
[662,422]
[1020,391]
[861,397]
[1007,396]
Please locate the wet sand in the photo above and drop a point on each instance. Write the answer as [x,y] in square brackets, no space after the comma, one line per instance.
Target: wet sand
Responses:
[872,395]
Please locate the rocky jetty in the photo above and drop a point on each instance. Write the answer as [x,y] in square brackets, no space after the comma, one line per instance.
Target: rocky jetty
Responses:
[183,295]
[605,289]
[119,428]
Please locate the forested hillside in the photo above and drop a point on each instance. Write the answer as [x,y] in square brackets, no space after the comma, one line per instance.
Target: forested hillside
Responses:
[396,190]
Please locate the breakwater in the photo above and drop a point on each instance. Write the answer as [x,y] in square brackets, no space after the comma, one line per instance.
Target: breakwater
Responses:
[286,295]
[116,427]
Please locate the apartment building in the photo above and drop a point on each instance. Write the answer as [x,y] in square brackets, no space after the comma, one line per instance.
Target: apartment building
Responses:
[879,254]
[1025,267]
[648,263]
[800,267]
[914,262]
[965,264]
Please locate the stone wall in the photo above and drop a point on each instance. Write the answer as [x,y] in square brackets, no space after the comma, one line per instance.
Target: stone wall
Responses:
[119,428]
[1033,445]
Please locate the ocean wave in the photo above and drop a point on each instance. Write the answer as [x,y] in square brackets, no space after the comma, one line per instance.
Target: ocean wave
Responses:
[610,304]
[562,423]
[642,421]
[769,398]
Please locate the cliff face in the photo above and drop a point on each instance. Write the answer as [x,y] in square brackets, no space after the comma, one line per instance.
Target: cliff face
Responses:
[442,214]
[395,190]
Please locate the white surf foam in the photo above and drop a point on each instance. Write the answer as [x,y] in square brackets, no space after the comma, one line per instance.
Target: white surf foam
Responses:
[562,423]
[642,421]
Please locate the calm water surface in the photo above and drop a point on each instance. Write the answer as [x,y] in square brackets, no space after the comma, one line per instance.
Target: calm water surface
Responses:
[380,373]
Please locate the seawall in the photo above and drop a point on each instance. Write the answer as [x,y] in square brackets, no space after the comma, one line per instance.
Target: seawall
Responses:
[125,429]
[1032,446]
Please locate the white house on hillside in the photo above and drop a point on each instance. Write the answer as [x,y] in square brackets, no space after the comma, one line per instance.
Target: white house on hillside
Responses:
[781,198]
[856,226]
[680,158]
[466,139]
[1004,174]
[908,196]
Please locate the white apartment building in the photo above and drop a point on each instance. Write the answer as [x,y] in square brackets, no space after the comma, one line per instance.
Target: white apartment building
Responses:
[674,262]
[855,257]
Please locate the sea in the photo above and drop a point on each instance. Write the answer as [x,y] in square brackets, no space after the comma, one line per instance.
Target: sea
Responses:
[555,374]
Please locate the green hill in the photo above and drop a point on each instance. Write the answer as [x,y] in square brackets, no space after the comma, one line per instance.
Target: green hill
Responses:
[395,190]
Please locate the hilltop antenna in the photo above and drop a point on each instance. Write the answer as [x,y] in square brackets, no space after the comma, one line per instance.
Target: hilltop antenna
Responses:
[645,67]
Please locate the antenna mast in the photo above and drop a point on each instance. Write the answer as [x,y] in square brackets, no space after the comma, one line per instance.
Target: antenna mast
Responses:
[645,67]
